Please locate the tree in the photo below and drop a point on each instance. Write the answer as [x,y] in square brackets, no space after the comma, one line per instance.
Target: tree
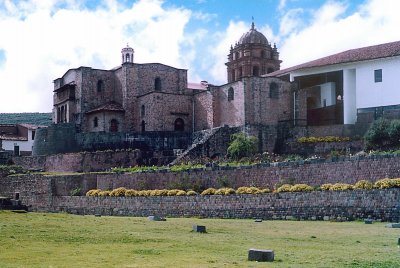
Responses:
[242,145]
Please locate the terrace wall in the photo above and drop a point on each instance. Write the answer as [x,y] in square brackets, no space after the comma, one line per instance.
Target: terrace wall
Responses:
[51,193]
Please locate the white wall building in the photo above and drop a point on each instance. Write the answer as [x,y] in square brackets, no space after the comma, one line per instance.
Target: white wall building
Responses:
[18,138]
[365,81]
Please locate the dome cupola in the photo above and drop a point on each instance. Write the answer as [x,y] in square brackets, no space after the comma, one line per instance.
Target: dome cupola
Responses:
[253,37]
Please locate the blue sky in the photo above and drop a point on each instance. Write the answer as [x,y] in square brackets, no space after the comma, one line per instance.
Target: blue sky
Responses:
[42,39]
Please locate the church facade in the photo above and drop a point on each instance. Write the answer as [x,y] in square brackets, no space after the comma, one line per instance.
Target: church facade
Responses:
[155,97]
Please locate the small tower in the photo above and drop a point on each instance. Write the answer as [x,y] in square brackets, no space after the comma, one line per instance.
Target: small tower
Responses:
[127,54]
[252,55]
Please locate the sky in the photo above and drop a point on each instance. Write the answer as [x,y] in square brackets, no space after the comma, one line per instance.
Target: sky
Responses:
[41,39]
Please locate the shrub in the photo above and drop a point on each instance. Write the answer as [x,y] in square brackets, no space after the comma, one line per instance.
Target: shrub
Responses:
[341,187]
[384,183]
[322,139]
[248,190]
[94,192]
[363,184]
[131,192]
[224,191]
[301,188]
[191,192]
[209,191]
[118,192]
[284,188]
[181,193]
[326,186]
[377,136]
[242,145]
[396,182]
[173,192]
[104,193]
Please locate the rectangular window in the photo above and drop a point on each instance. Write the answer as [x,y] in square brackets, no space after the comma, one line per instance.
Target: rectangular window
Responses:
[378,75]
[33,134]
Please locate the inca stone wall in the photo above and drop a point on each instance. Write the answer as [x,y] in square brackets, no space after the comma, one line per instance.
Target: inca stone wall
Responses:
[334,205]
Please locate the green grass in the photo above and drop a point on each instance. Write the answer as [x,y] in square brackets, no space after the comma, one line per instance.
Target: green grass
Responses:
[63,240]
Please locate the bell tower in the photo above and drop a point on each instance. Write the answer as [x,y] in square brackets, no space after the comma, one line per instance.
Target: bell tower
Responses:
[127,54]
[252,55]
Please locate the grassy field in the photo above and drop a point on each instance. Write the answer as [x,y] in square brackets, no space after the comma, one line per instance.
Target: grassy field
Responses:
[62,240]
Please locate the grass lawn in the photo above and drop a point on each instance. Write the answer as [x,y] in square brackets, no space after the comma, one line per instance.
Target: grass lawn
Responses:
[62,240]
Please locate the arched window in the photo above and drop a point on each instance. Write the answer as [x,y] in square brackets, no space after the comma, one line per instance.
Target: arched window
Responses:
[157,84]
[142,110]
[100,86]
[127,58]
[114,125]
[143,124]
[273,90]
[240,72]
[256,71]
[233,75]
[95,122]
[236,55]
[231,95]
[179,125]
[262,54]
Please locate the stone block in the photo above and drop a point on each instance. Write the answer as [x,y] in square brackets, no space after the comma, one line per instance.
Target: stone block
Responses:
[199,228]
[156,218]
[393,225]
[368,221]
[261,255]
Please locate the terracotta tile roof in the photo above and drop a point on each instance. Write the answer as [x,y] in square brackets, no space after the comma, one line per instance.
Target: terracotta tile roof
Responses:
[353,55]
[110,107]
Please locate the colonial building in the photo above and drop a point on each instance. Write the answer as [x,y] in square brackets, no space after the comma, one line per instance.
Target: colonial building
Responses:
[354,86]
[154,97]
[154,104]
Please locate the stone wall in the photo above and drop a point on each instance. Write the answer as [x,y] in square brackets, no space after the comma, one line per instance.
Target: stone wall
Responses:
[51,193]
[331,205]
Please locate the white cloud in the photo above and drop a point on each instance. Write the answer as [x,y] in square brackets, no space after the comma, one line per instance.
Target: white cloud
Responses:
[44,41]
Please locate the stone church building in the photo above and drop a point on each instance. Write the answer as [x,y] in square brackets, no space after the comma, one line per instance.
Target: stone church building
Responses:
[153,105]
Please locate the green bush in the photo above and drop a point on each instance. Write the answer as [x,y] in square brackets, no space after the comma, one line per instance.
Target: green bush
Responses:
[241,146]
[284,188]
[383,134]
[363,184]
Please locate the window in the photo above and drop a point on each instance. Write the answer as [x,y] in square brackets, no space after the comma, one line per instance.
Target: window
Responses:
[127,57]
[270,70]
[231,95]
[143,110]
[256,71]
[33,135]
[100,85]
[378,75]
[95,122]
[114,125]
[143,126]
[157,84]
[179,125]
[273,90]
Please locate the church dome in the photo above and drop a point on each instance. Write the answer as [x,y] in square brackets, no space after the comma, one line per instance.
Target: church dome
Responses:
[253,37]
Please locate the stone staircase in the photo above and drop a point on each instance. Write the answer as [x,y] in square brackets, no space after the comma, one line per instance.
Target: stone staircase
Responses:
[199,139]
